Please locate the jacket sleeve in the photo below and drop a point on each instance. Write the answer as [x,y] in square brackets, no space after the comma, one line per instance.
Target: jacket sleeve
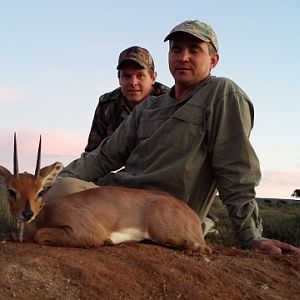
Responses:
[111,154]
[98,129]
[235,164]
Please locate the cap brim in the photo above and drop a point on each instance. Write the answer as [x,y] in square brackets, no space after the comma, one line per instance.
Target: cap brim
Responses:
[140,63]
[200,37]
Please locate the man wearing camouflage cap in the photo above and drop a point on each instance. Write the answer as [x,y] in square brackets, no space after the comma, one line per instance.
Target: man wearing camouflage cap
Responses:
[137,79]
[190,142]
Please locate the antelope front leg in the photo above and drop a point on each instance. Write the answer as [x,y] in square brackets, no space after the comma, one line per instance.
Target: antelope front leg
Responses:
[18,230]
[66,237]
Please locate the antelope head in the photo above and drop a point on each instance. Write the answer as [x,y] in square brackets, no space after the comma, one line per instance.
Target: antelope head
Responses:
[24,190]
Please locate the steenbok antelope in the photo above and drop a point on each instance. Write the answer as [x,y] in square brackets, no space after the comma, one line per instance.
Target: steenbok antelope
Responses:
[99,216]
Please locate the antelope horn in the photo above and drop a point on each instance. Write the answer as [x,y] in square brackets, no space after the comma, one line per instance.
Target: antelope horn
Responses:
[15,160]
[38,161]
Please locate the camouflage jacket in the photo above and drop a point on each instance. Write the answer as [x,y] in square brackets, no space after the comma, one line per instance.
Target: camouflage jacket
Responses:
[110,112]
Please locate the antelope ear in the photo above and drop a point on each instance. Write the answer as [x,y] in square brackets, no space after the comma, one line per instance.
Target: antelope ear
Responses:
[5,174]
[49,174]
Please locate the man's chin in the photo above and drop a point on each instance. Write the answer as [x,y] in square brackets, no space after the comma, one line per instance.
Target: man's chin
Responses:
[133,101]
[183,81]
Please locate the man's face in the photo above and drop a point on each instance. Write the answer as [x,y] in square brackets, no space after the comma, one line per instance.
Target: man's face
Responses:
[190,60]
[135,82]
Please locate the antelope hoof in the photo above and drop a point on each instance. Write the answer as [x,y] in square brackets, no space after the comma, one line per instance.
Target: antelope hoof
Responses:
[204,249]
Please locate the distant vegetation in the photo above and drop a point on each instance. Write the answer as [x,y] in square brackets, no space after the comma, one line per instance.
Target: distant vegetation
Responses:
[281,220]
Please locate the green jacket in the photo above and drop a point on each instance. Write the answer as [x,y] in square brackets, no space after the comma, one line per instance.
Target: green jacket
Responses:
[111,111]
[188,148]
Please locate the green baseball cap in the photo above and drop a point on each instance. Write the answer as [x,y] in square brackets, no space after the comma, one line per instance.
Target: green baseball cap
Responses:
[197,29]
[137,54]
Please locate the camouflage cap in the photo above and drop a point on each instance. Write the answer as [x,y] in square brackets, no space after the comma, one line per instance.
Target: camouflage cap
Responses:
[196,28]
[139,55]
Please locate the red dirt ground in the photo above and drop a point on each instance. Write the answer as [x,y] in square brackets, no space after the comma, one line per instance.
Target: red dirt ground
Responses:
[144,271]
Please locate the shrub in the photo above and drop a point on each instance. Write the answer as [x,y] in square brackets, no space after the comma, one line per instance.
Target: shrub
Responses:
[5,218]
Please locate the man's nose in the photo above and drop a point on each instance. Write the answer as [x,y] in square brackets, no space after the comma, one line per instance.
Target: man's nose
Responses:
[134,80]
[184,55]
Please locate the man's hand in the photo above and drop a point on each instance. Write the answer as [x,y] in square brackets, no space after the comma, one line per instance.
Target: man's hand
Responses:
[275,246]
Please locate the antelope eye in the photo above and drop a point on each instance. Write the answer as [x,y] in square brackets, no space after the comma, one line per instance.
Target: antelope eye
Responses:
[12,193]
[41,193]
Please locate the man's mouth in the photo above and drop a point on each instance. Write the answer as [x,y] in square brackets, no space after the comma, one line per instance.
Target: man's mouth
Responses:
[182,69]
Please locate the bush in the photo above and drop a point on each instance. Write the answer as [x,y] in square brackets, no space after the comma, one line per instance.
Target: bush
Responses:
[5,218]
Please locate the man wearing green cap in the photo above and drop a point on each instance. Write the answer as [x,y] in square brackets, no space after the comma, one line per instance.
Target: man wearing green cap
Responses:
[137,79]
[190,142]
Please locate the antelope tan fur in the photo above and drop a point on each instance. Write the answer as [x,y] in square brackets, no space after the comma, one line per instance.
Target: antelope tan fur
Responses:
[99,216]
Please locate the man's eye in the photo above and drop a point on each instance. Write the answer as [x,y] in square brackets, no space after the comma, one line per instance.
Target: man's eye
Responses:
[196,49]
[12,193]
[176,49]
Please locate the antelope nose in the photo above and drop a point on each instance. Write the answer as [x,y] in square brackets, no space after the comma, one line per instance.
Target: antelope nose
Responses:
[27,214]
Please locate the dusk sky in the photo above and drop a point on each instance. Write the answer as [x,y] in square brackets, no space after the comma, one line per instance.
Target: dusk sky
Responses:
[58,57]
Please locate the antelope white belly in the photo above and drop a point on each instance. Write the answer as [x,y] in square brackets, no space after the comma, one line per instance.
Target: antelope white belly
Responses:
[128,235]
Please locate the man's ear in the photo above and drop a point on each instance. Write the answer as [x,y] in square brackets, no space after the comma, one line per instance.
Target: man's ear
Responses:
[214,59]
[154,76]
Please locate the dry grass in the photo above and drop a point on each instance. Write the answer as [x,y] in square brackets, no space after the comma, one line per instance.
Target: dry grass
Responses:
[281,220]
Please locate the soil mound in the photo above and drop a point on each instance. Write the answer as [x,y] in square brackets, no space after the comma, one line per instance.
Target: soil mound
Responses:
[144,271]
